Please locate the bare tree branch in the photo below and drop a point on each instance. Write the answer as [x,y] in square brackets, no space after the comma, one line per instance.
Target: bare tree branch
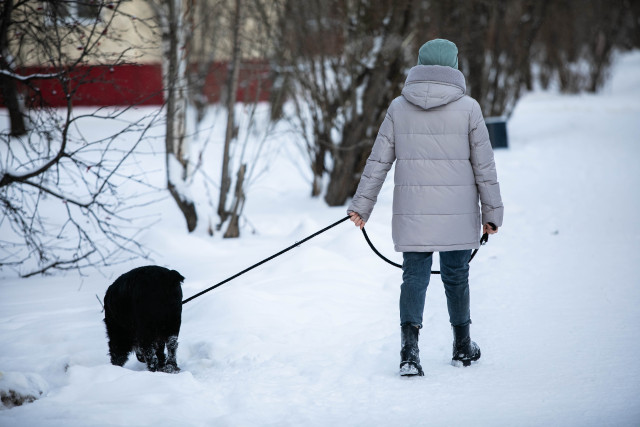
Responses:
[62,201]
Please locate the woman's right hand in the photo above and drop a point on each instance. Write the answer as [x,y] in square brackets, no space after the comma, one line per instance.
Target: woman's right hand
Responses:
[355,217]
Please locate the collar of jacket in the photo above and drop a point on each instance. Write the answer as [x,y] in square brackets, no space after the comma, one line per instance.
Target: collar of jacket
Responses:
[436,73]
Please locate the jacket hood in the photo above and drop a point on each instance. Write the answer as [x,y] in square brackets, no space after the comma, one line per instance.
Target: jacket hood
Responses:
[430,86]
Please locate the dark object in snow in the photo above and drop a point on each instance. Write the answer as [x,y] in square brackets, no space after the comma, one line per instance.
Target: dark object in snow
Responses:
[465,351]
[409,355]
[497,127]
[12,398]
[143,311]
[17,388]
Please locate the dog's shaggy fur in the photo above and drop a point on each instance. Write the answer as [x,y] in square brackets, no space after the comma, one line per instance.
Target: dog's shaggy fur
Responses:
[143,310]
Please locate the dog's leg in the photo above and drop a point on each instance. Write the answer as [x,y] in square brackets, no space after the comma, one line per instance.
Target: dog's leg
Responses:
[139,355]
[120,341]
[172,347]
[150,357]
[160,355]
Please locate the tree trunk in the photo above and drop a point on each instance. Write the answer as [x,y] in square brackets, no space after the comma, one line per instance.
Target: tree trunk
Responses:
[11,101]
[9,89]
[318,166]
[187,207]
[176,140]
[234,229]
[475,51]
[231,133]
[345,174]
[380,83]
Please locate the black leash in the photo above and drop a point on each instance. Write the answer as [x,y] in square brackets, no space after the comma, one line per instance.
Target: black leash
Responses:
[265,260]
[484,240]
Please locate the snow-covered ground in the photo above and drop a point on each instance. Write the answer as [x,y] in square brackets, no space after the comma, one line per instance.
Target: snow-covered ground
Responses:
[312,338]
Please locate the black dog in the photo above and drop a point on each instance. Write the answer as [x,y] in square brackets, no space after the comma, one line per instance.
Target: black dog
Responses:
[143,310]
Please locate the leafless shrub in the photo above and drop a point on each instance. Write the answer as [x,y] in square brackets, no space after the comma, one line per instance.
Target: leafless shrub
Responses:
[62,189]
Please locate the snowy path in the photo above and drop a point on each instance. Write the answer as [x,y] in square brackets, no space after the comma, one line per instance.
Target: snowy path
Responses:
[313,337]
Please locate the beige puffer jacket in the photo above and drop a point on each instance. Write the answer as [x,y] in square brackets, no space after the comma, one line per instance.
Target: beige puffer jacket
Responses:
[444,165]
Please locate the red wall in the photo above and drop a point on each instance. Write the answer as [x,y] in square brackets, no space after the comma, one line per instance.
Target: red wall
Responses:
[254,81]
[138,85]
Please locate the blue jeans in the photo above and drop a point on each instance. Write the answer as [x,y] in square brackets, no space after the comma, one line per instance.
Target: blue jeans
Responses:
[416,271]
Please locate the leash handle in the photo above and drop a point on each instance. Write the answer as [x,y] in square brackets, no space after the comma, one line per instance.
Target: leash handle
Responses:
[485,237]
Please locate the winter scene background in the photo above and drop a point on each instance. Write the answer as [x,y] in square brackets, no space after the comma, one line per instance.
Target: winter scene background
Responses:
[311,337]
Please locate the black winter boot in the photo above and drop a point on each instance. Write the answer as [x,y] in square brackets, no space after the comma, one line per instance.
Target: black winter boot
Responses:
[465,351]
[409,355]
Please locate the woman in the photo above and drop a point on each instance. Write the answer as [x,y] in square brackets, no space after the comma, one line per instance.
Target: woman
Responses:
[444,165]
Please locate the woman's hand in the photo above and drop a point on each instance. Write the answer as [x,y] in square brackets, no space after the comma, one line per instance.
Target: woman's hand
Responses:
[355,217]
[489,229]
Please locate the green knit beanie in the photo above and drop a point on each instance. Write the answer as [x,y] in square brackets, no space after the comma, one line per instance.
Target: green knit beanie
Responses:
[439,52]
